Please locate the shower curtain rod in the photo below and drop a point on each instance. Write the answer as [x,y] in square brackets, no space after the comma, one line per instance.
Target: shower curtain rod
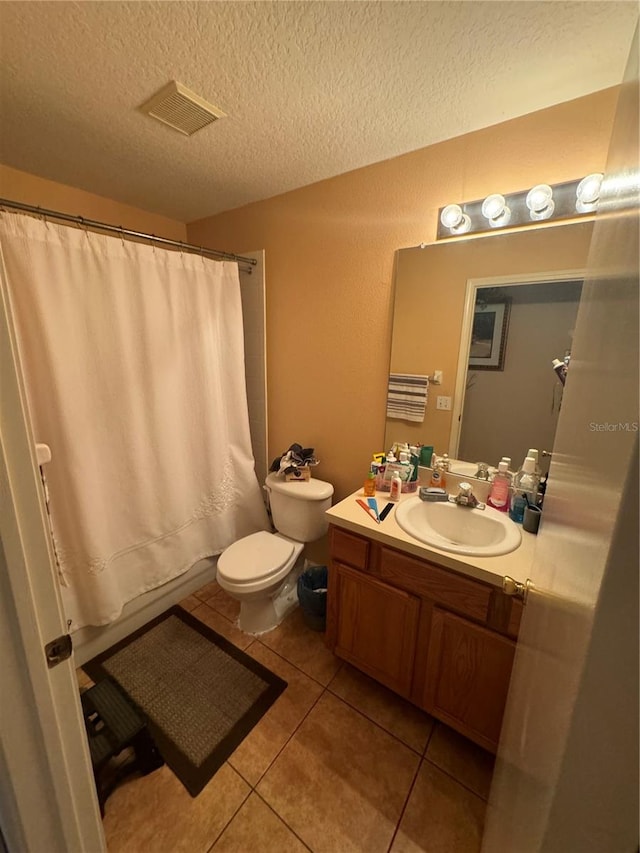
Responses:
[127,232]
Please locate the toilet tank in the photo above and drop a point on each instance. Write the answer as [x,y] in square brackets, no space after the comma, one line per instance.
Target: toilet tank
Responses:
[298,508]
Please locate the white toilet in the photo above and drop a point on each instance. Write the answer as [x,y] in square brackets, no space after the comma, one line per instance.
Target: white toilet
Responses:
[258,570]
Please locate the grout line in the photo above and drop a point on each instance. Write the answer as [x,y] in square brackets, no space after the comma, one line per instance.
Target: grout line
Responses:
[224,828]
[456,780]
[376,724]
[280,818]
[294,665]
[284,745]
[430,738]
[404,806]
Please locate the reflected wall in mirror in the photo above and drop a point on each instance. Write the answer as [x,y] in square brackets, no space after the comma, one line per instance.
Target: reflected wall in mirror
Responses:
[432,321]
[520,400]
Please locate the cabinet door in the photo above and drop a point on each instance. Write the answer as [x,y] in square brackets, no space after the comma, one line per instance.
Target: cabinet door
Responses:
[468,673]
[376,627]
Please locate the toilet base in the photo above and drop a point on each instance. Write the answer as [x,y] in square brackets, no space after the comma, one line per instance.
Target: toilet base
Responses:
[259,615]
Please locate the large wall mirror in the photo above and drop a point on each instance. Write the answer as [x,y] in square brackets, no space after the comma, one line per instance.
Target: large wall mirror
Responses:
[491,313]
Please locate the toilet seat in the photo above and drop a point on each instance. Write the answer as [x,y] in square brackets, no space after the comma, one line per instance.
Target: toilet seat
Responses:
[257,558]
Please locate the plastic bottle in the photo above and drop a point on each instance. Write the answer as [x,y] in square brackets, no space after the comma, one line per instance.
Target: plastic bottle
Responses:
[438,476]
[369,487]
[533,453]
[500,488]
[525,488]
[396,488]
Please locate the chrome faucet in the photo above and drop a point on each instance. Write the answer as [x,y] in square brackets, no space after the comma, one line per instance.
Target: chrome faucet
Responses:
[465,497]
[483,471]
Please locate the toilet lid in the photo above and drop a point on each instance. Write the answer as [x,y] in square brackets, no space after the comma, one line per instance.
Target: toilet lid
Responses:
[255,557]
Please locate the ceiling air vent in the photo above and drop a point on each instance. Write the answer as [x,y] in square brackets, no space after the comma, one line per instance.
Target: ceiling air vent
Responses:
[181,109]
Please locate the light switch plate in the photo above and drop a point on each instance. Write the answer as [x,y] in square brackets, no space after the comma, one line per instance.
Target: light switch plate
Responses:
[443,403]
[437,377]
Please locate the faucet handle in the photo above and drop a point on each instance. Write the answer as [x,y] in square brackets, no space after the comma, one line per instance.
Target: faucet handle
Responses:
[465,497]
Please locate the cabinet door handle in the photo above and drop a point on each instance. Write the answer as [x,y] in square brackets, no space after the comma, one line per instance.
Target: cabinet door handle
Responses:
[516,588]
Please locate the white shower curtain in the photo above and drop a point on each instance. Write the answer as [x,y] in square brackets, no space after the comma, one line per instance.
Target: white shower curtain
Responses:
[134,367]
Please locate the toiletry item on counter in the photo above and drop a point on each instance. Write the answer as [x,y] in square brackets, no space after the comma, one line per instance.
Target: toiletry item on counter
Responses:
[531,520]
[368,510]
[385,512]
[373,504]
[500,488]
[426,452]
[429,493]
[533,453]
[396,487]
[561,369]
[369,487]
[525,486]
[439,476]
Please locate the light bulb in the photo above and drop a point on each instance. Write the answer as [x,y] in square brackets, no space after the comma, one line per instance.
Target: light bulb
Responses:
[588,193]
[463,226]
[451,215]
[540,202]
[495,209]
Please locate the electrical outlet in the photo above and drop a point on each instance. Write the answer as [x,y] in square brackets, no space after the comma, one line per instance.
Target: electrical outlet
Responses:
[443,403]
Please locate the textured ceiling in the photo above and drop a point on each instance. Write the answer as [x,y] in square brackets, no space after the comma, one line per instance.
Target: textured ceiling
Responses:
[311,89]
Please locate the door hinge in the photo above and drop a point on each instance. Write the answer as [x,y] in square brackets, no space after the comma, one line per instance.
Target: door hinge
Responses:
[516,588]
[58,650]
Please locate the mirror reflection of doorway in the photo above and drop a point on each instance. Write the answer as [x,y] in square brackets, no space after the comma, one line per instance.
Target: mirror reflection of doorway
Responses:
[513,406]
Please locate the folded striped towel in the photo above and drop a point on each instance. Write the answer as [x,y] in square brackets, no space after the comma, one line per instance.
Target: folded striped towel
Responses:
[407,396]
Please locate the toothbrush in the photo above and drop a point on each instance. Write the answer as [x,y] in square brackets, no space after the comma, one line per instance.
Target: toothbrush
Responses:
[367,509]
[373,503]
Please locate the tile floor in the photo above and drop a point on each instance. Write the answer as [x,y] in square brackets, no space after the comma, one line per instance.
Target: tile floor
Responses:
[338,764]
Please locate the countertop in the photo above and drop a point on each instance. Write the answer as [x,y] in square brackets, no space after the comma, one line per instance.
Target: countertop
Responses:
[350,516]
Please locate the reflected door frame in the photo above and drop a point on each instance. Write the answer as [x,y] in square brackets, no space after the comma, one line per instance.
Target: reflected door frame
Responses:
[473,285]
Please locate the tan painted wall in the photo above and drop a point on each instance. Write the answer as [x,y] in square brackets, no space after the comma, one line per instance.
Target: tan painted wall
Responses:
[329,266]
[30,189]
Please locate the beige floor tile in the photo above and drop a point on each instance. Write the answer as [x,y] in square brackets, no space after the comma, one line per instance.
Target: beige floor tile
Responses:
[459,757]
[225,605]
[156,813]
[269,735]
[208,591]
[257,828]
[303,648]
[383,706]
[441,816]
[222,626]
[190,603]
[341,781]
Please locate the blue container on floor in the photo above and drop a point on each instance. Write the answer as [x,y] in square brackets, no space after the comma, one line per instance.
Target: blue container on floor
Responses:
[312,595]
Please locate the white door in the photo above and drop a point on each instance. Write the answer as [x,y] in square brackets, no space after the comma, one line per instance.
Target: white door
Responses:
[567,772]
[47,796]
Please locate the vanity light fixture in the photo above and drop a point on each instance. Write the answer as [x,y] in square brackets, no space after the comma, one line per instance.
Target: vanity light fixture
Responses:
[495,209]
[588,193]
[454,219]
[568,200]
[540,202]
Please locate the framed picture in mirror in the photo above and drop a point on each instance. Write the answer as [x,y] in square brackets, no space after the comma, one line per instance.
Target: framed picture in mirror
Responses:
[489,335]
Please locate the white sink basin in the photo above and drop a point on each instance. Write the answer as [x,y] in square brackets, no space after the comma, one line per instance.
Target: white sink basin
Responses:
[458,529]
[463,469]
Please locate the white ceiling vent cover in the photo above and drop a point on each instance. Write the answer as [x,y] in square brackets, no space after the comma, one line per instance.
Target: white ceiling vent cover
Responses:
[181,109]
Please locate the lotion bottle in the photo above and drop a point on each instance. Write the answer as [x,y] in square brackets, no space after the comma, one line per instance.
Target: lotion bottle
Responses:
[396,488]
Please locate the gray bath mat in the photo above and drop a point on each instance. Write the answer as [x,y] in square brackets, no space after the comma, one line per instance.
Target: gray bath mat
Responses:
[200,694]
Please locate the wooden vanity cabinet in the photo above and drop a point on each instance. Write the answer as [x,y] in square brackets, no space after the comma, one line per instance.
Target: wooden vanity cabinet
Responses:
[440,639]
